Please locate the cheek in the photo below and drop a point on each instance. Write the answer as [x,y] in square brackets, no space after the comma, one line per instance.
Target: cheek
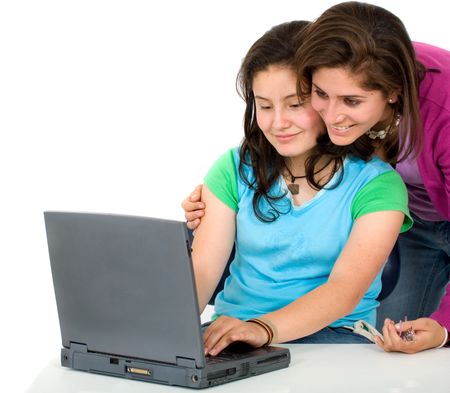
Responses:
[262,121]
[315,121]
[316,103]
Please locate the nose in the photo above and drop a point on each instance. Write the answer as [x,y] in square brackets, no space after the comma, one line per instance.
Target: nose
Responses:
[281,119]
[331,113]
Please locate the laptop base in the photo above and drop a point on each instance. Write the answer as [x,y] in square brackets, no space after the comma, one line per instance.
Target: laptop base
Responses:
[183,374]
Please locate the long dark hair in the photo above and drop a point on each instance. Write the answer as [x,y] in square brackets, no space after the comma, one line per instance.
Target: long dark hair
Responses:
[276,47]
[372,42]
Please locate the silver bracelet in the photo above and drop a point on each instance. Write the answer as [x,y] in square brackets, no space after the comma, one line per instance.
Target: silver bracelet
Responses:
[445,338]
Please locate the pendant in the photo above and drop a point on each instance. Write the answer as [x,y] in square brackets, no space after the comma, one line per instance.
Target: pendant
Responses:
[293,188]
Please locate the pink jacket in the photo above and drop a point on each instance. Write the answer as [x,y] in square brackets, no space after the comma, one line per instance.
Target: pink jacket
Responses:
[434,98]
[434,159]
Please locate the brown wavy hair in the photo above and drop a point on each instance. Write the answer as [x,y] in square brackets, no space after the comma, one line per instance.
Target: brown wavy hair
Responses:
[371,42]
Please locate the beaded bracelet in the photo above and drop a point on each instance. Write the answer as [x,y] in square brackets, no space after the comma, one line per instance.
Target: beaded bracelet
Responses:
[445,339]
[266,327]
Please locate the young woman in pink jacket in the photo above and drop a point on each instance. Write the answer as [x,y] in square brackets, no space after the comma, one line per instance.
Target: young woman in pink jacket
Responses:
[352,50]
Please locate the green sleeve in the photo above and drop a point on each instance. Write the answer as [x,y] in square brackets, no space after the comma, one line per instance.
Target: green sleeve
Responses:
[222,180]
[385,192]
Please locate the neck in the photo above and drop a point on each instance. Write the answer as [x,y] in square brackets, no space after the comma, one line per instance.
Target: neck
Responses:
[386,120]
[296,169]
[295,165]
[297,178]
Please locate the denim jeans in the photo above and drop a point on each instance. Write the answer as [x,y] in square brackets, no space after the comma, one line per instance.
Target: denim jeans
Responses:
[332,336]
[424,254]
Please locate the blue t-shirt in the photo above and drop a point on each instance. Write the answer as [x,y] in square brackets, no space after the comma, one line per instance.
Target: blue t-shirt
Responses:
[278,262]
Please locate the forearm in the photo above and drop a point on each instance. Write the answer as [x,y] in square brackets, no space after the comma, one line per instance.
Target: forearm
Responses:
[205,289]
[314,311]
[368,246]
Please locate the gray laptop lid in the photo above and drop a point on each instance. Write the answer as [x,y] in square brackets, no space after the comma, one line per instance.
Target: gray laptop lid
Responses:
[124,285]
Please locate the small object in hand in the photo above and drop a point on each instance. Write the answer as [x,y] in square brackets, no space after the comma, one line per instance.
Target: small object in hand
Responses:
[408,334]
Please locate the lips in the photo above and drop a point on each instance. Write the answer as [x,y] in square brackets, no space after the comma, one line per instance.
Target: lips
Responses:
[284,138]
[342,128]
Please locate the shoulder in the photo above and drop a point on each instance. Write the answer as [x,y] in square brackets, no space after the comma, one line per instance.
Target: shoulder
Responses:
[366,169]
[381,188]
[221,179]
[434,100]
[432,56]
[226,161]
[375,170]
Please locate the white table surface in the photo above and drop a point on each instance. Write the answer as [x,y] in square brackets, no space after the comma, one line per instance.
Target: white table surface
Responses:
[330,368]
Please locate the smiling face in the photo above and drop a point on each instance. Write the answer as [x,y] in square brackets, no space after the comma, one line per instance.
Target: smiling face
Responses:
[291,127]
[346,108]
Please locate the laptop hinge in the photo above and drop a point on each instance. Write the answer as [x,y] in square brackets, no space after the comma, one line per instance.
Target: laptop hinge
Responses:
[78,347]
[68,354]
[186,362]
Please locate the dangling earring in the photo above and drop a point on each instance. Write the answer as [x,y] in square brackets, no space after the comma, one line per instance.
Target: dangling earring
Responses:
[373,134]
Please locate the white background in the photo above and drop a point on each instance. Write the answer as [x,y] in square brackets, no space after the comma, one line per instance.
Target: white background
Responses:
[118,106]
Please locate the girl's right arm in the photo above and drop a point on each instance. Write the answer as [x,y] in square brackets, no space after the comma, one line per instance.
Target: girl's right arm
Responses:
[212,245]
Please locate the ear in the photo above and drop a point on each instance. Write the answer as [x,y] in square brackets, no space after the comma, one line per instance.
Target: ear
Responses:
[393,97]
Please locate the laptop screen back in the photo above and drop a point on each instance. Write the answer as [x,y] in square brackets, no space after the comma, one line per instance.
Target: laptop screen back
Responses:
[124,285]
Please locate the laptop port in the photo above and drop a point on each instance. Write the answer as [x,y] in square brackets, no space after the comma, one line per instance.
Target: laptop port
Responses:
[273,359]
[221,373]
[113,361]
[139,371]
[231,371]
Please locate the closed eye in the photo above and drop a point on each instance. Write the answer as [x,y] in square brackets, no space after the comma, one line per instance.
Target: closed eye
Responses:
[320,93]
[351,101]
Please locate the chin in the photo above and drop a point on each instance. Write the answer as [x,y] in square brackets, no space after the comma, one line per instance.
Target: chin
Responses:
[343,140]
[285,153]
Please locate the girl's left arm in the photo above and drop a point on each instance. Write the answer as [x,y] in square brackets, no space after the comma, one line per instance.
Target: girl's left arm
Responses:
[371,240]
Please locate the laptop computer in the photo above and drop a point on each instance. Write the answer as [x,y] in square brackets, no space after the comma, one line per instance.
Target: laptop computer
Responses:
[127,304]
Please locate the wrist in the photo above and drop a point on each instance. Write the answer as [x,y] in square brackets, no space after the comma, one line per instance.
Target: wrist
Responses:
[445,340]
[267,327]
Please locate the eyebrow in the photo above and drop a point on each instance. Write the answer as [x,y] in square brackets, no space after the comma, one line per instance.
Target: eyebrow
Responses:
[341,96]
[285,98]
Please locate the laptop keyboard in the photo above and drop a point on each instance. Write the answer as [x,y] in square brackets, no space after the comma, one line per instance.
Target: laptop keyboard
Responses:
[223,357]
[234,351]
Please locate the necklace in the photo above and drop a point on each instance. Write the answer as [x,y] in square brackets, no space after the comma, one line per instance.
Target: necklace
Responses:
[295,188]
[292,187]
[373,134]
